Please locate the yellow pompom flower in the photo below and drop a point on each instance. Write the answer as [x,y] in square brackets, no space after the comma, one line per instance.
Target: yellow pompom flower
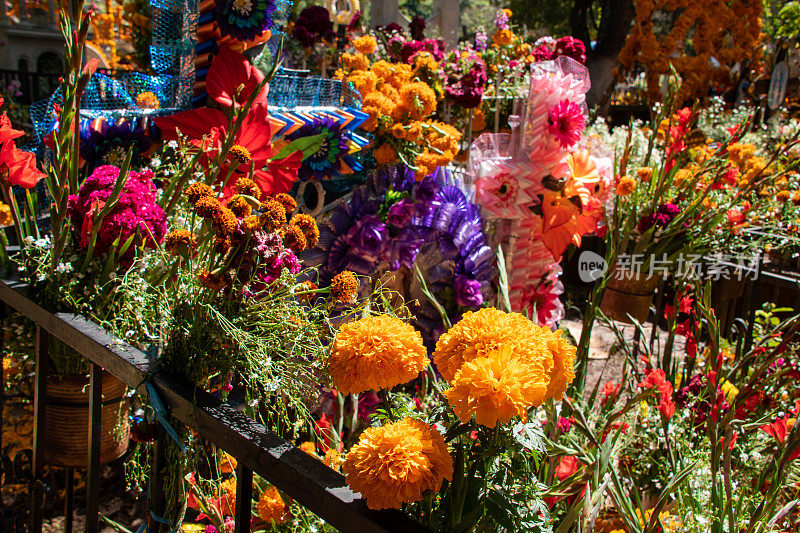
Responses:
[344,286]
[374,353]
[563,371]
[366,44]
[503,37]
[147,100]
[309,447]
[5,215]
[271,507]
[626,186]
[496,388]
[480,333]
[418,100]
[398,463]
[227,463]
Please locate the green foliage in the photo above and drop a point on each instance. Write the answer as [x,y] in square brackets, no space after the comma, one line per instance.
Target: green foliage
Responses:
[788,24]
[542,17]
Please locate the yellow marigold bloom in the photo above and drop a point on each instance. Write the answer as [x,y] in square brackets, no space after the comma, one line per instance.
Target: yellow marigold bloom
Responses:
[626,186]
[248,187]
[309,447]
[480,333]
[5,215]
[333,459]
[503,37]
[195,191]
[180,242]
[398,463]
[271,507]
[418,100]
[226,463]
[224,222]
[644,173]
[496,388]
[508,12]
[414,131]
[289,204]
[147,100]
[227,490]
[783,196]
[366,44]
[357,61]
[398,131]
[273,215]
[251,224]
[240,206]
[344,286]
[682,176]
[309,228]
[293,238]
[207,206]
[385,154]
[376,352]
[563,371]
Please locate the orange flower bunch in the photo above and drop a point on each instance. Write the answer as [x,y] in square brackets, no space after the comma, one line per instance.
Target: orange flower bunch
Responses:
[400,99]
[722,34]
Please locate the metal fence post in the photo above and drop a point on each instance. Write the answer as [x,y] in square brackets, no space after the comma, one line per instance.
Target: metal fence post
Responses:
[35,484]
[93,470]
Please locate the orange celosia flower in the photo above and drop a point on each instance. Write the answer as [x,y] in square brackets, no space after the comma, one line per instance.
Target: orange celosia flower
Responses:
[480,333]
[271,507]
[375,353]
[497,387]
[398,463]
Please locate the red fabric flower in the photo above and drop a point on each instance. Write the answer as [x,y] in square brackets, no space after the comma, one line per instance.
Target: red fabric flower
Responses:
[229,71]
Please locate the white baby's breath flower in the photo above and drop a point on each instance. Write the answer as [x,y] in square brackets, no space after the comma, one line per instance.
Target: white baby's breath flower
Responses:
[29,240]
[173,144]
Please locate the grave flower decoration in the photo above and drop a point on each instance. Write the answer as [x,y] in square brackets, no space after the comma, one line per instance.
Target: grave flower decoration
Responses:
[331,156]
[244,20]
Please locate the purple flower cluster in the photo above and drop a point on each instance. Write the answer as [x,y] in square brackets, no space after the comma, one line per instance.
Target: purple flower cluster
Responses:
[393,219]
[501,20]
[135,210]
[664,214]
[481,40]
[312,25]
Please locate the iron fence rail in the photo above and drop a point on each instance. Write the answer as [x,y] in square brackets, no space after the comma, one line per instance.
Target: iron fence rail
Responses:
[302,477]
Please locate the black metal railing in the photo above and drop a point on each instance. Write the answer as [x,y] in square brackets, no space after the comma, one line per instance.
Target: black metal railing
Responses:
[33,86]
[302,477]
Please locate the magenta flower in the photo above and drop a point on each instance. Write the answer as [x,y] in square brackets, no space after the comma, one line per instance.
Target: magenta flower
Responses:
[566,122]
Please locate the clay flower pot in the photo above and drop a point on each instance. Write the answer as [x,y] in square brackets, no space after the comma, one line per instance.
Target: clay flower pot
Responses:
[628,294]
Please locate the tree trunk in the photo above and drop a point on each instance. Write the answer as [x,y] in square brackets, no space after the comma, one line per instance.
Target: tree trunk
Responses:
[615,23]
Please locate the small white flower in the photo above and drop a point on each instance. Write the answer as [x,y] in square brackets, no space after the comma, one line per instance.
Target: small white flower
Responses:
[29,240]
[173,144]
[155,162]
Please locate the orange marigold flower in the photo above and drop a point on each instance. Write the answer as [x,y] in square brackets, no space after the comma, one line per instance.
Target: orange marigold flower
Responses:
[479,333]
[273,215]
[563,371]
[385,154]
[211,281]
[398,131]
[398,463]
[248,187]
[796,198]
[783,196]
[495,388]
[226,463]
[357,61]
[503,37]
[376,352]
[682,176]
[222,244]
[333,458]
[195,191]
[344,286]
[251,224]
[271,507]
[5,215]
[309,447]
[414,131]
[240,206]
[366,44]
[309,227]
[180,242]
[644,173]
[207,206]
[288,203]
[418,100]
[224,221]
[227,494]
[626,186]
[147,100]
[293,238]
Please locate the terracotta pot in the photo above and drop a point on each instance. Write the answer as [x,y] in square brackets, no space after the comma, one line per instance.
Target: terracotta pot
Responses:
[66,424]
[628,294]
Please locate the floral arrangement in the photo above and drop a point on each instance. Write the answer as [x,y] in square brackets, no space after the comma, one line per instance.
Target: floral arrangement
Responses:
[713,51]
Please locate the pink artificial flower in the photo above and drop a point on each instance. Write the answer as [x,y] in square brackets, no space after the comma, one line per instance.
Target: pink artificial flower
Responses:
[566,122]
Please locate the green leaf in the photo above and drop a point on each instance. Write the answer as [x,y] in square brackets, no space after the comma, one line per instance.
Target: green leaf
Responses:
[307,145]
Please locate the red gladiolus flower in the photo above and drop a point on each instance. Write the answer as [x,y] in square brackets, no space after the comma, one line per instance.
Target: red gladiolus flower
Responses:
[18,166]
[228,72]
[657,378]
[567,467]
[608,392]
